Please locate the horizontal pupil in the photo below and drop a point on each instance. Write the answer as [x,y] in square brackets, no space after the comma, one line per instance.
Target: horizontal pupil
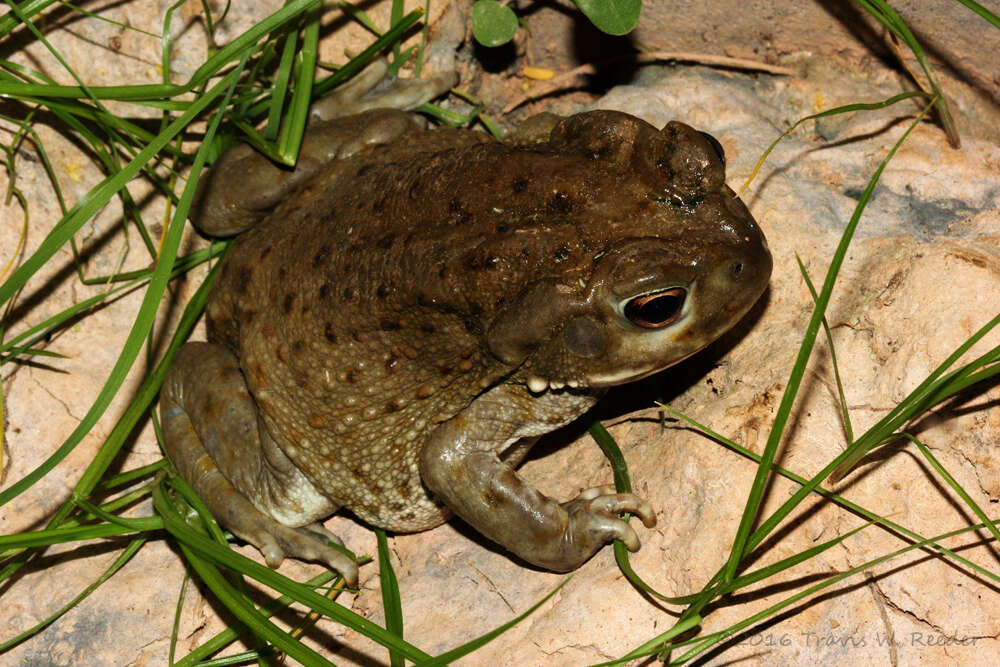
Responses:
[659,309]
[655,309]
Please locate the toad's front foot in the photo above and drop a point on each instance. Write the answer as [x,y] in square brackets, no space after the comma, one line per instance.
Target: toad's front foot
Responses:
[593,522]
[464,472]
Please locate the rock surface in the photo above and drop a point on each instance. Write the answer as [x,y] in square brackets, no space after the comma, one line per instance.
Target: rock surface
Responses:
[921,276]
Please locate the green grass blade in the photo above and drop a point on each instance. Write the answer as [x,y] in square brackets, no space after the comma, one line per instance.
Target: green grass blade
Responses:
[40,538]
[847,108]
[233,51]
[982,11]
[656,644]
[845,415]
[826,583]
[743,543]
[229,635]
[124,557]
[395,16]
[625,565]
[91,203]
[920,399]
[45,328]
[360,16]
[768,571]
[27,10]
[887,16]
[394,34]
[391,603]
[129,476]
[840,500]
[465,649]
[154,293]
[955,486]
[207,548]
[282,75]
[619,469]
[255,621]
[55,54]
[298,110]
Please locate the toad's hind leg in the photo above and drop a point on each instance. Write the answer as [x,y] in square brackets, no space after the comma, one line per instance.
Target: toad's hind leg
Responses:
[372,88]
[243,186]
[212,434]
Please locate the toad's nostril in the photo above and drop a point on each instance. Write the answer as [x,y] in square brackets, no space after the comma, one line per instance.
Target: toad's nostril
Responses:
[736,268]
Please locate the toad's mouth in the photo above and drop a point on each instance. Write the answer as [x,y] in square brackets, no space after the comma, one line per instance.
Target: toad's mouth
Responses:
[632,374]
[624,376]
[539,385]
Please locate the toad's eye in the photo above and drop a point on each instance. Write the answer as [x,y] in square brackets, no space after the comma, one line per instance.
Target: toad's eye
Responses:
[716,146]
[656,310]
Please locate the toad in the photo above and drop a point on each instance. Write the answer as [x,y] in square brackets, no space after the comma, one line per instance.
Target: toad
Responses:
[405,313]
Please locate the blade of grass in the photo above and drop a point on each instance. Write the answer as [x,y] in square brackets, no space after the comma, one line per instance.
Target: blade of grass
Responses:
[982,11]
[654,645]
[887,16]
[392,35]
[740,543]
[955,486]
[231,52]
[228,636]
[328,83]
[55,54]
[465,649]
[255,621]
[298,110]
[927,393]
[360,16]
[221,555]
[40,538]
[619,471]
[391,602]
[840,500]
[847,108]
[124,557]
[774,609]
[395,15]
[744,540]
[10,21]
[845,415]
[154,292]
[47,327]
[146,393]
[282,76]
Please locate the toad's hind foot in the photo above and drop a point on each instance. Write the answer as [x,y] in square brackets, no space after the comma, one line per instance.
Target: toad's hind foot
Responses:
[372,88]
[212,433]
[276,541]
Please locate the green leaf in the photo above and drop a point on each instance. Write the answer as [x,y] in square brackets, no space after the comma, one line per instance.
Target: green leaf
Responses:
[391,602]
[454,654]
[492,23]
[615,17]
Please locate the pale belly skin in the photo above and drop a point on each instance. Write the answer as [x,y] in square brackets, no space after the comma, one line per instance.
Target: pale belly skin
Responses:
[412,308]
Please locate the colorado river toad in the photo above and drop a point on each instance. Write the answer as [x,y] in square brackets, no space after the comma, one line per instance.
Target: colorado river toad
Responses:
[394,334]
